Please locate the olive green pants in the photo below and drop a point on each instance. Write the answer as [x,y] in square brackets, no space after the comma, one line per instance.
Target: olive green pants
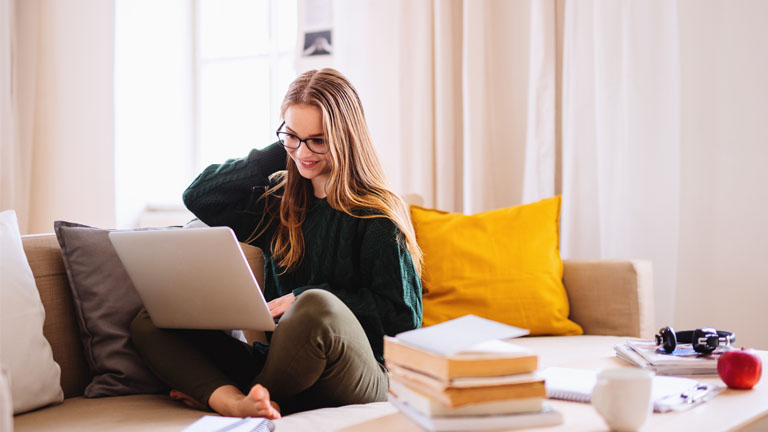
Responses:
[318,356]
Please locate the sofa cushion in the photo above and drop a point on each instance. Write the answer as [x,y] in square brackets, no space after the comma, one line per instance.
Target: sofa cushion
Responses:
[105,302]
[6,401]
[502,265]
[155,413]
[24,351]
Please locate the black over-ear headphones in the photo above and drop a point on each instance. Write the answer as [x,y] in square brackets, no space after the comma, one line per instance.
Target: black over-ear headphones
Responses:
[704,340]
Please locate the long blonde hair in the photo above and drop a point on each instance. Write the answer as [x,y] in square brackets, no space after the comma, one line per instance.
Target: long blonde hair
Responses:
[356,186]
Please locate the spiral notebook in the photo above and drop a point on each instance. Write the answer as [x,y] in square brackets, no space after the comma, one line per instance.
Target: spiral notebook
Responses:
[669,393]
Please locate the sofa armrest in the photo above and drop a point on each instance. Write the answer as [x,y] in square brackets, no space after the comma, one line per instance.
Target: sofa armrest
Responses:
[610,297]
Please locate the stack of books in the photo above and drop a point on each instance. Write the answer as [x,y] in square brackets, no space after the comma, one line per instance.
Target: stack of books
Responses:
[683,361]
[489,385]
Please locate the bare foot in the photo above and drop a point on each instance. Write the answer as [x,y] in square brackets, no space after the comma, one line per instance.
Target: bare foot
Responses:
[187,400]
[257,404]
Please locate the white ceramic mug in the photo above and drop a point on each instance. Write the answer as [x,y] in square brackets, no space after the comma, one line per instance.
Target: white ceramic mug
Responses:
[623,397]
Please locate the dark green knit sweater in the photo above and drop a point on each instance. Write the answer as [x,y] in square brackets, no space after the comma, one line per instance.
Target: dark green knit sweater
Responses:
[364,262]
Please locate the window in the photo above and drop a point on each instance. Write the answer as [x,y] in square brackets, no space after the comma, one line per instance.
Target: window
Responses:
[245,55]
[196,82]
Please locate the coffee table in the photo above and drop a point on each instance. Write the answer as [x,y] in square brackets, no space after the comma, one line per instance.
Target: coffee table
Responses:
[745,410]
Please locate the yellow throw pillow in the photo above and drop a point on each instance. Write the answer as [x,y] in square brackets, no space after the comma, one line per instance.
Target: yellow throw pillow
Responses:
[502,265]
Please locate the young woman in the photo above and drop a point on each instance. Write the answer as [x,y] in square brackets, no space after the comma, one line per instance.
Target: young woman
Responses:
[342,267]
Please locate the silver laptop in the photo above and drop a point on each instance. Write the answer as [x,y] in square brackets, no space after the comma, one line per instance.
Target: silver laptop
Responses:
[195,278]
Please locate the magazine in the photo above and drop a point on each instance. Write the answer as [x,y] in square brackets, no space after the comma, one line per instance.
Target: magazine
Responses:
[683,361]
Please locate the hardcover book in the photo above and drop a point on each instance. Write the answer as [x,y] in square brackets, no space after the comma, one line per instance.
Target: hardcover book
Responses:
[546,417]
[487,359]
[455,397]
[432,407]
[425,380]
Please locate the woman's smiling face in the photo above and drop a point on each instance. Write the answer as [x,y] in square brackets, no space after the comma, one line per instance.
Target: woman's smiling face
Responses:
[305,122]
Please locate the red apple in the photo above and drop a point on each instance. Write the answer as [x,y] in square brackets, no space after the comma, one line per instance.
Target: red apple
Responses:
[740,369]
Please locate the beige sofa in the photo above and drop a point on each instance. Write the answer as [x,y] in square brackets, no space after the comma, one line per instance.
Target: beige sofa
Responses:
[606,298]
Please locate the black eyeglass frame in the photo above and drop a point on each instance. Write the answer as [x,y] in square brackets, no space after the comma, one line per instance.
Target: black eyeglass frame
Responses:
[278,132]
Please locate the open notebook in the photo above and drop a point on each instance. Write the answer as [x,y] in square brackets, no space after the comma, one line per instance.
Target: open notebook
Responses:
[669,393]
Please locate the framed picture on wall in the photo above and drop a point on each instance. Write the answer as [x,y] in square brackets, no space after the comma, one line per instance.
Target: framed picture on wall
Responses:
[317,43]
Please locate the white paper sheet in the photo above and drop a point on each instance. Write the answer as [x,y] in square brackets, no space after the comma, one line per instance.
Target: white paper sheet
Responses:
[460,334]
[211,423]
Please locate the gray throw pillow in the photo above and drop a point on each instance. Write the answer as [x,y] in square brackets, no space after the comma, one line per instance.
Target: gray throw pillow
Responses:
[106,302]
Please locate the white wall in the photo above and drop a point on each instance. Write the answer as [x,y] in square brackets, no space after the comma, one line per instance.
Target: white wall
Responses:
[73,170]
[723,257]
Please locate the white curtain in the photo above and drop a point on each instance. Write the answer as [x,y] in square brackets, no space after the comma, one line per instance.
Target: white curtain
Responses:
[9,141]
[446,86]
[476,105]
[18,65]
[621,137]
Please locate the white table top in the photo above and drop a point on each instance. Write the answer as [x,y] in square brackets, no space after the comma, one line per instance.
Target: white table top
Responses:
[731,409]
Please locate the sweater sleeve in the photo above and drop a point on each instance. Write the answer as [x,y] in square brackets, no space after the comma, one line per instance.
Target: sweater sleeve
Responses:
[228,194]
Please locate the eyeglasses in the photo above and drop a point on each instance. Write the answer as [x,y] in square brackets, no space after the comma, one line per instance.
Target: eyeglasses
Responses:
[291,141]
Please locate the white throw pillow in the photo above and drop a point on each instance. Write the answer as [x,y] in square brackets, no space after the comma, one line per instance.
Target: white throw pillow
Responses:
[6,405]
[24,352]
